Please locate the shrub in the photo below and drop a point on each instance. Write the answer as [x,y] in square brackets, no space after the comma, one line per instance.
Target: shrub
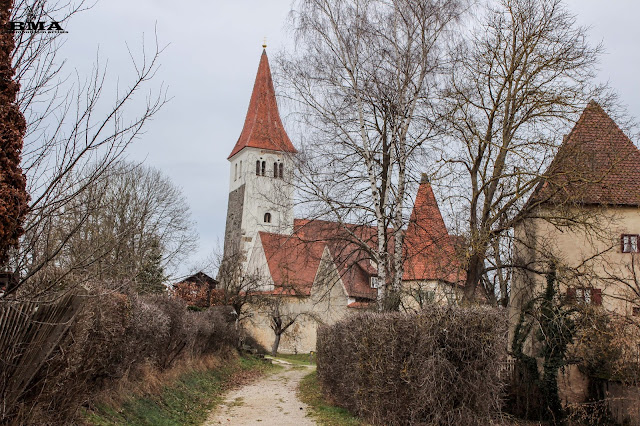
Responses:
[116,336]
[437,367]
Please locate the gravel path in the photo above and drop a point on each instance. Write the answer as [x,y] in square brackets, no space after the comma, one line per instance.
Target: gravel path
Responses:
[270,401]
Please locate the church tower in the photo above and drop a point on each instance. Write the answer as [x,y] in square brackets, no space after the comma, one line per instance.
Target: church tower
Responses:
[260,190]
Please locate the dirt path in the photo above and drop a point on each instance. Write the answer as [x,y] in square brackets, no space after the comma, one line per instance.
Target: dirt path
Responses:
[269,401]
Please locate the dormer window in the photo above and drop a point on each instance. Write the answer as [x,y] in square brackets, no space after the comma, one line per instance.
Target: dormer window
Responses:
[267,218]
[629,243]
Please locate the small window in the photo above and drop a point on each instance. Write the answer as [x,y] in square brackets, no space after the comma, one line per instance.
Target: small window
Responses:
[267,218]
[585,296]
[629,243]
[375,282]
[258,168]
[281,170]
[275,170]
[240,168]
[235,176]
[450,295]
[264,167]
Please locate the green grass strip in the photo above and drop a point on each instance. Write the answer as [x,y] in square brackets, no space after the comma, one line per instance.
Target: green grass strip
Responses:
[186,401]
[322,411]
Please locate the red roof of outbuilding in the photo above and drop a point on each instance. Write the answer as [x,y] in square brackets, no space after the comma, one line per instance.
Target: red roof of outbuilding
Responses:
[596,164]
[429,249]
[293,260]
[262,127]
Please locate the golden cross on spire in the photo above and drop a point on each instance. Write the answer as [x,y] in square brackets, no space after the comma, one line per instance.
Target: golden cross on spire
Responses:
[264,43]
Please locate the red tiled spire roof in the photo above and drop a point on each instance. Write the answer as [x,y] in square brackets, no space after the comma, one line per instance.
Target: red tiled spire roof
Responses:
[429,249]
[596,164]
[262,126]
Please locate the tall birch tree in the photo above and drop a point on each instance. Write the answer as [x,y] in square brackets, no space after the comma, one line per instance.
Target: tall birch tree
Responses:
[364,74]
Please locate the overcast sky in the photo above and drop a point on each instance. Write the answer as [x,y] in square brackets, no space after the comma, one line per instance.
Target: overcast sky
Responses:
[209,67]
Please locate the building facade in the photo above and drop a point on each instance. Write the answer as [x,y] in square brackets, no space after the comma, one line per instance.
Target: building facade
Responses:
[310,272]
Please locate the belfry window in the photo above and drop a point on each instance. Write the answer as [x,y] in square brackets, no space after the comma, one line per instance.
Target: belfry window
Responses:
[281,170]
[258,168]
[264,167]
[275,170]
[267,218]
[235,176]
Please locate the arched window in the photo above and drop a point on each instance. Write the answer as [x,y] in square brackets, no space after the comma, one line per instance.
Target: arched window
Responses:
[281,170]
[257,167]
[267,218]
[240,169]
[264,167]
[275,170]
[235,176]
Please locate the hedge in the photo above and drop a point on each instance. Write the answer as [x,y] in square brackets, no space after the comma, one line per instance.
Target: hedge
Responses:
[438,367]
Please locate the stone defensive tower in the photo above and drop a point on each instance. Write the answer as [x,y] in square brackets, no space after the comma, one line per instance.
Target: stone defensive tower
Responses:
[260,190]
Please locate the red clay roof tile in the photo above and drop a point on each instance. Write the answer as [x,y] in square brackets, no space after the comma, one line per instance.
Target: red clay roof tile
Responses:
[596,164]
[262,127]
[429,249]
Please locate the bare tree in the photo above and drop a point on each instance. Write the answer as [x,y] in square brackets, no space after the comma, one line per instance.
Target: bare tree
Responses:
[365,77]
[237,287]
[519,78]
[113,230]
[74,133]
[282,312]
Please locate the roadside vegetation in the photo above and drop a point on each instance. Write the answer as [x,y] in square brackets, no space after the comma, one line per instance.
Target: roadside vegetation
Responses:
[324,412]
[185,399]
[299,359]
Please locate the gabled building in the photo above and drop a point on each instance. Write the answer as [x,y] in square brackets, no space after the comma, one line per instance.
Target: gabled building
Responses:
[315,269]
[587,219]
[585,225]
[197,289]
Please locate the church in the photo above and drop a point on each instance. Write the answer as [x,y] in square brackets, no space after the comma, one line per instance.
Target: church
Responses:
[311,270]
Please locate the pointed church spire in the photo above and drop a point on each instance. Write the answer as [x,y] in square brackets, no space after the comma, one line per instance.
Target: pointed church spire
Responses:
[262,127]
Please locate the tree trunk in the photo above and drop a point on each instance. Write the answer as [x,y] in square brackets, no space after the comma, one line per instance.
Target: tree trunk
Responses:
[276,343]
[474,273]
[13,194]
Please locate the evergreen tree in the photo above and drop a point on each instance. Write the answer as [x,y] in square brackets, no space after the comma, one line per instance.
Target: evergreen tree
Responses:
[151,278]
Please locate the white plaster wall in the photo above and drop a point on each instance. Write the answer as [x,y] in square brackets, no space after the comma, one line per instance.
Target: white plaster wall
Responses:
[263,194]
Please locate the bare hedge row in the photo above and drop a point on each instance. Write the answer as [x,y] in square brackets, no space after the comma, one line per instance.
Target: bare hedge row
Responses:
[116,336]
[439,367]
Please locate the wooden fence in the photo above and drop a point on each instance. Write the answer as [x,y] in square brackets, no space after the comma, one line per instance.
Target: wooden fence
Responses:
[29,332]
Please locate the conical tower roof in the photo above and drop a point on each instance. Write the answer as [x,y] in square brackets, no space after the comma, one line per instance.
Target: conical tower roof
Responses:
[596,164]
[262,127]
[429,249]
